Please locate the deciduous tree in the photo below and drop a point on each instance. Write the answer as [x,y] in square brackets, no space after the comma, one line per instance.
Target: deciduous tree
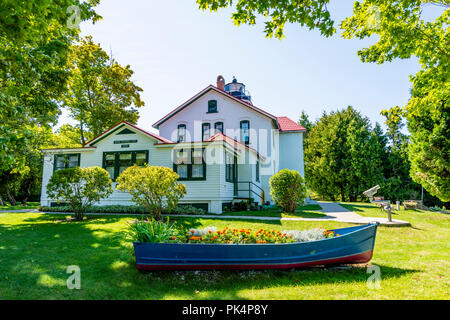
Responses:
[100,92]
[401,32]
[35,39]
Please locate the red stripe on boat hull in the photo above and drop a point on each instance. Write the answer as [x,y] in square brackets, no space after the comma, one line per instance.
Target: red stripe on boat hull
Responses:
[357,258]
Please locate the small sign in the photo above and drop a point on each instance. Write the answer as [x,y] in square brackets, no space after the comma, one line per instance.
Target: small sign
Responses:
[124,141]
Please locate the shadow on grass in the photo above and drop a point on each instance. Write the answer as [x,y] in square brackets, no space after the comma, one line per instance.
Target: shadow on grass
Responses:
[35,255]
[358,207]
[306,214]
[278,213]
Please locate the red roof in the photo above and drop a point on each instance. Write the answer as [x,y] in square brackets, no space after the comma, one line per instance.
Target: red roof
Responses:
[284,123]
[234,143]
[287,124]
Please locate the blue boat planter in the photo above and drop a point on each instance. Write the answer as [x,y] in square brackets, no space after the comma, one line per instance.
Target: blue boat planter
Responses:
[353,245]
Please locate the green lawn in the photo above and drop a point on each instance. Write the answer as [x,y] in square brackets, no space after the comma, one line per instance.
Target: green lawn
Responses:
[372,210]
[30,205]
[35,250]
[306,211]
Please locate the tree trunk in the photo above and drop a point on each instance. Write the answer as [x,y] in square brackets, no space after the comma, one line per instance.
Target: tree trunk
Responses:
[157,215]
[1,201]
[28,191]
[11,197]
[82,133]
[79,216]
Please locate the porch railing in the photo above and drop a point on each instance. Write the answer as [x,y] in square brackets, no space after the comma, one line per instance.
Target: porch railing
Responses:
[248,186]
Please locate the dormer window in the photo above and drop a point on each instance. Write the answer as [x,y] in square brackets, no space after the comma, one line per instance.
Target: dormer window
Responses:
[206,131]
[212,106]
[181,133]
[245,128]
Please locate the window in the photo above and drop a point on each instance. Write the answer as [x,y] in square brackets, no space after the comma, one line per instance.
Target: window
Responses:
[189,164]
[64,161]
[245,128]
[205,131]
[212,106]
[116,162]
[181,133]
[218,127]
[230,167]
[257,170]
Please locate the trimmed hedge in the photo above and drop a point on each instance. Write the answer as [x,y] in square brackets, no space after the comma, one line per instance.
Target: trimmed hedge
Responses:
[185,209]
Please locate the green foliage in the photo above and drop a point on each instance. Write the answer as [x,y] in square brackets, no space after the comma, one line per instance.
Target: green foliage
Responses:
[288,189]
[150,230]
[428,115]
[35,40]
[153,187]
[80,187]
[21,174]
[99,209]
[397,184]
[402,33]
[312,14]
[100,92]
[68,136]
[184,209]
[343,156]
[307,124]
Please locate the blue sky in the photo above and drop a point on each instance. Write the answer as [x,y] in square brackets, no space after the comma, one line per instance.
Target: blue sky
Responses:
[176,50]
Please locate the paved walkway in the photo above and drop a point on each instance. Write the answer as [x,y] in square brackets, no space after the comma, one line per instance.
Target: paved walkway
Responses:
[334,212]
[338,213]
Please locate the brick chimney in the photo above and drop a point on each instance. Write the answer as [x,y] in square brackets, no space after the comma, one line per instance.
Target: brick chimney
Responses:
[220,83]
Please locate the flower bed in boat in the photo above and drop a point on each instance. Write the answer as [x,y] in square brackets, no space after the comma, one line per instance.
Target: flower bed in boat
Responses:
[152,231]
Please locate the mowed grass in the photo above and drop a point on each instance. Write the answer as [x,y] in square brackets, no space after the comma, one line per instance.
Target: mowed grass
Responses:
[36,249]
[372,210]
[306,211]
[30,205]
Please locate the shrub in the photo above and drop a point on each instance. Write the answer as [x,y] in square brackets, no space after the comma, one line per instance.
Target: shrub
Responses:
[185,209]
[155,188]
[240,206]
[288,189]
[152,231]
[188,209]
[99,209]
[80,187]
